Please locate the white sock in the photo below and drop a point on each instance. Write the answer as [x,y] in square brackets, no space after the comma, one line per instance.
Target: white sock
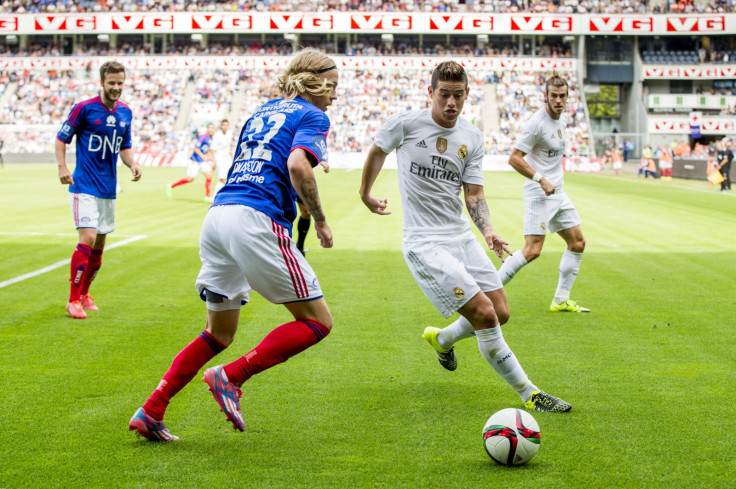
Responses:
[218,186]
[459,330]
[498,354]
[569,266]
[513,264]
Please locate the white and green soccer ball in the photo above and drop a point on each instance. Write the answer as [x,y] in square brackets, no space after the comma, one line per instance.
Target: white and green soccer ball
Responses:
[511,437]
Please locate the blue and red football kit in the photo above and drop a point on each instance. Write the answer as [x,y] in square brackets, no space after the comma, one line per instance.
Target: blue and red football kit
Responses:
[204,143]
[259,177]
[101,135]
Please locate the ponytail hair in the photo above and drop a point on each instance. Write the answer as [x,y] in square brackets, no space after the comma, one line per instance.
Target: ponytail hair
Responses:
[303,75]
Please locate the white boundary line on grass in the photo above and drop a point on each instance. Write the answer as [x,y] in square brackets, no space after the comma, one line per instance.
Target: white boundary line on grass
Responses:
[21,233]
[61,263]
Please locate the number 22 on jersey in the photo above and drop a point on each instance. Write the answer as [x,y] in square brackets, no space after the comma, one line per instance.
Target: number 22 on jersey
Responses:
[255,133]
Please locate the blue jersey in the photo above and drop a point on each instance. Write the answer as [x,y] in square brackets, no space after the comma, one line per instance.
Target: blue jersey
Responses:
[101,135]
[204,142]
[259,177]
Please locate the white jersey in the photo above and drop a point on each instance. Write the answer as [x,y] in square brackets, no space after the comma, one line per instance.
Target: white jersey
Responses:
[221,143]
[543,140]
[433,163]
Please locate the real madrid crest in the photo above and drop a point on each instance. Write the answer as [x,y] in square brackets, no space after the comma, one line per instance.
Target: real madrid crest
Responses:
[441,145]
[462,152]
[459,293]
[559,133]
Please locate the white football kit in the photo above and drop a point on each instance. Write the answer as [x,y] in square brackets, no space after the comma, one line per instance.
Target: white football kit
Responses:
[221,143]
[445,258]
[543,141]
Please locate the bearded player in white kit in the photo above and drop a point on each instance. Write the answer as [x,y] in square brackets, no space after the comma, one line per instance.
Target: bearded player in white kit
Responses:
[547,207]
[438,155]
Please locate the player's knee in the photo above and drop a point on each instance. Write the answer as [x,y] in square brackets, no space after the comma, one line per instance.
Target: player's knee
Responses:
[327,322]
[503,316]
[223,337]
[578,246]
[485,318]
[531,254]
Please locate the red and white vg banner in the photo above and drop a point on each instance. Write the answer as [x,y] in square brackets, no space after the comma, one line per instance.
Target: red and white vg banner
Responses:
[695,72]
[368,22]
[681,125]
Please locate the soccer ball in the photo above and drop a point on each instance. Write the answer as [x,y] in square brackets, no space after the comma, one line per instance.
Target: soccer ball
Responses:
[511,437]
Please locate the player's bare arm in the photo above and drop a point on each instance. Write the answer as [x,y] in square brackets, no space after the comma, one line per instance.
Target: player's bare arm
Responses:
[475,201]
[127,156]
[371,169]
[519,164]
[302,178]
[65,176]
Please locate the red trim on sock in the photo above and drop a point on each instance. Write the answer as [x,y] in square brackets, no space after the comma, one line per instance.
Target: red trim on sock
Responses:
[183,369]
[278,346]
[80,257]
[90,273]
[207,187]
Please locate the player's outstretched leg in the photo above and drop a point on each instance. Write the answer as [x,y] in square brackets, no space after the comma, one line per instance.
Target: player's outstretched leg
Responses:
[541,401]
[226,394]
[149,428]
[445,356]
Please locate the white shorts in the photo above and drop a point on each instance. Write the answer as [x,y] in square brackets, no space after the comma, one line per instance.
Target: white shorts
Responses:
[195,168]
[242,249]
[223,166]
[452,271]
[89,211]
[617,165]
[552,213]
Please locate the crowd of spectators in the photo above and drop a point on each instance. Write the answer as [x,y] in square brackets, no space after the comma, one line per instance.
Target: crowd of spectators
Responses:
[367,97]
[519,95]
[487,6]
[43,99]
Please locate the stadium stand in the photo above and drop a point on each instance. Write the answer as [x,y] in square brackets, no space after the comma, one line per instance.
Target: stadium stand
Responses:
[191,87]
[157,98]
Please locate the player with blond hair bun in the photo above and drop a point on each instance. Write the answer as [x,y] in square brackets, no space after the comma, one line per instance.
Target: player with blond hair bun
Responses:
[547,207]
[439,157]
[246,245]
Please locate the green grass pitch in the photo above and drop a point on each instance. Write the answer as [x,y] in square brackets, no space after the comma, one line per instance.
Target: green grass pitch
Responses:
[650,372]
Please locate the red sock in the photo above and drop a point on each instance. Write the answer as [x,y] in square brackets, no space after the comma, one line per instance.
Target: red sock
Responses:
[183,369]
[80,257]
[207,187]
[278,346]
[180,182]
[93,265]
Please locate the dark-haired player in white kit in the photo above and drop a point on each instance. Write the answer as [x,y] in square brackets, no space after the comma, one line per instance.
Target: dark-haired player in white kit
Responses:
[439,154]
[547,207]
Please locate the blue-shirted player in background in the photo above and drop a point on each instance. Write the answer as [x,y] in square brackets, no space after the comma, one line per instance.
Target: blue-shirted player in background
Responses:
[201,160]
[102,126]
[246,244]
